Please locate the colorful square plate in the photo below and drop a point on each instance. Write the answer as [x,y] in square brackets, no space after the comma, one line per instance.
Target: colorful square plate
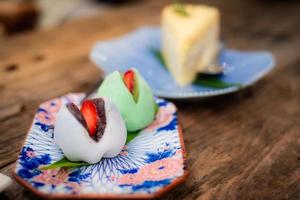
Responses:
[136,50]
[148,166]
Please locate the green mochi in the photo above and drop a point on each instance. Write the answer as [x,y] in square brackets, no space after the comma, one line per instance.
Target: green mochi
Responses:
[137,115]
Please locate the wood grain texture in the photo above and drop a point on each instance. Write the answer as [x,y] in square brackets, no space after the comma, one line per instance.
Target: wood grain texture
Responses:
[240,146]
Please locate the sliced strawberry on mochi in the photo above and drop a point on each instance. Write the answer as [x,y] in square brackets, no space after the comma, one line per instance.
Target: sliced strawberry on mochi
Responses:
[130,82]
[90,115]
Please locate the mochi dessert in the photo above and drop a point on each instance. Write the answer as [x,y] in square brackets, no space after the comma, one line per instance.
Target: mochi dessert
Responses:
[190,39]
[132,96]
[96,130]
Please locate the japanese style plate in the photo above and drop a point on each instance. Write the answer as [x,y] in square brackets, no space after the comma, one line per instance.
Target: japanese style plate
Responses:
[136,50]
[148,166]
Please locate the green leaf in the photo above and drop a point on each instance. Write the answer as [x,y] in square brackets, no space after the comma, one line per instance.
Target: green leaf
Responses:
[180,8]
[212,81]
[158,55]
[156,108]
[131,136]
[64,162]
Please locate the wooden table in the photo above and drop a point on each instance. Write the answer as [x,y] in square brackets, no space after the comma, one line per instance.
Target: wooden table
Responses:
[240,146]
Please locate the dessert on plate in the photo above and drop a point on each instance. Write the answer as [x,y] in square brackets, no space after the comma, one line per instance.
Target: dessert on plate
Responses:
[190,39]
[99,127]
[94,131]
[132,96]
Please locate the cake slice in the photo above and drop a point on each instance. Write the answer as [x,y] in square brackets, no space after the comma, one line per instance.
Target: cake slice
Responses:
[190,39]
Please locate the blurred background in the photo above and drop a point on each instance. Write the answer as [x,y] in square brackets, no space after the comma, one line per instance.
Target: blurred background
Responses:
[241,145]
[22,15]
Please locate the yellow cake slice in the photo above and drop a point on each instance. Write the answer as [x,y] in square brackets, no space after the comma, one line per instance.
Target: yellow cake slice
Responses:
[190,40]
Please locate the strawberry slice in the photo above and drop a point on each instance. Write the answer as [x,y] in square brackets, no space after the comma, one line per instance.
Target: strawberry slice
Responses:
[89,112]
[129,80]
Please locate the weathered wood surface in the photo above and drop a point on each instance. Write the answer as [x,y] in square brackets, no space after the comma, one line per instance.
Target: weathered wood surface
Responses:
[240,146]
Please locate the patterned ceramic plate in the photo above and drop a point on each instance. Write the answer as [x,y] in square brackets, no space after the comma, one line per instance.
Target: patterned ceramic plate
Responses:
[148,166]
[136,50]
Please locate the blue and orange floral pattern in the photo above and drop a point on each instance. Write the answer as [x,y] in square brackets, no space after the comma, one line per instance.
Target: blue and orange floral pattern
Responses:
[161,167]
[148,163]
[30,171]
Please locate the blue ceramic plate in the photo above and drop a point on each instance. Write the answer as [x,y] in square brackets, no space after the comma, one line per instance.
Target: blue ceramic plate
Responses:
[136,50]
[147,167]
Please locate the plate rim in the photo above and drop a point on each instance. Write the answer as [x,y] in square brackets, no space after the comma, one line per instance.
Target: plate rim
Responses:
[177,181]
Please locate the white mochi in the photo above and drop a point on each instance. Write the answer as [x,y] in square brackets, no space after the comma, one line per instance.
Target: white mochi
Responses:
[77,145]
